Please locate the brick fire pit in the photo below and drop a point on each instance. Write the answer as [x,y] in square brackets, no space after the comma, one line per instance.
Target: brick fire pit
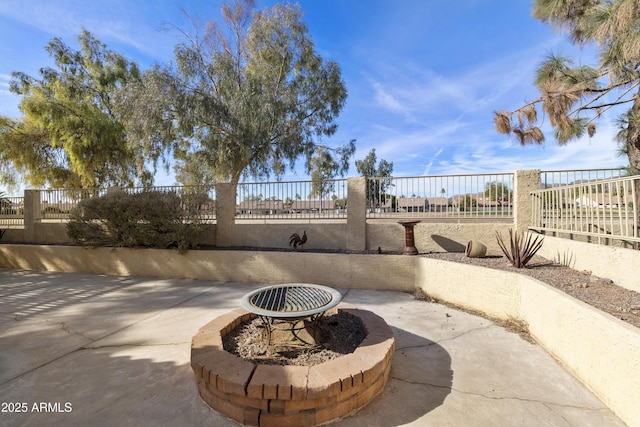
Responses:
[275,395]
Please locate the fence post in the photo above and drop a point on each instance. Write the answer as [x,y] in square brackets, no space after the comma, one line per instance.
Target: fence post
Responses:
[32,214]
[356,214]
[524,182]
[225,214]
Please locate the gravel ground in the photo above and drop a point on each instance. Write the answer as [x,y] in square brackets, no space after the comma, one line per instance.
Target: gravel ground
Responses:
[341,335]
[599,292]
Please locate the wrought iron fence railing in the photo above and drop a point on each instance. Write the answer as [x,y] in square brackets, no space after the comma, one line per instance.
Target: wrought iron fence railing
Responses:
[603,209]
[197,201]
[57,203]
[442,196]
[596,202]
[554,178]
[292,200]
[11,212]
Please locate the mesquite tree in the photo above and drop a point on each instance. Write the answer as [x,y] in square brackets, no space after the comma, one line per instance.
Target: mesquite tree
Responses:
[248,96]
[71,134]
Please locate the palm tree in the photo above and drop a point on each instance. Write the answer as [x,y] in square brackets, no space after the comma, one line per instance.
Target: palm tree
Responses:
[573,97]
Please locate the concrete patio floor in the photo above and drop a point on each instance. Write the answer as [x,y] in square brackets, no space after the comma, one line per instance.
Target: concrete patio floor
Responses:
[79,349]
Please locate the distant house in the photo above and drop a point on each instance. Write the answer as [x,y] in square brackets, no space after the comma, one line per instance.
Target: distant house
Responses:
[387,206]
[605,200]
[306,206]
[421,204]
[412,204]
[481,199]
[61,207]
[437,204]
[260,207]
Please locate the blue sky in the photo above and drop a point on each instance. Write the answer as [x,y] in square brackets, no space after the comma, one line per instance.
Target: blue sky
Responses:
[424,77]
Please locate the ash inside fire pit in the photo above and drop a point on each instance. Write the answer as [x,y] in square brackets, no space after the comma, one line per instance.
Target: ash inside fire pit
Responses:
[338,334]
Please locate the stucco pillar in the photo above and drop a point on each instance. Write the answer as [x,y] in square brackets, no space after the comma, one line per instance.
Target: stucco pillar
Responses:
[524,182]
[32,214]
[225,214]
[356,214]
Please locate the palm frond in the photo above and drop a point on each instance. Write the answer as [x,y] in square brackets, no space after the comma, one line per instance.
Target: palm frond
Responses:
[502,121]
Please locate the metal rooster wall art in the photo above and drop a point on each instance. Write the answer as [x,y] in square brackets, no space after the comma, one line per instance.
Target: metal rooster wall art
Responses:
[295,240]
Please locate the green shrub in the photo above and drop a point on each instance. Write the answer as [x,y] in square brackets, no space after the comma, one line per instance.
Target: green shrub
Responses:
[147,219]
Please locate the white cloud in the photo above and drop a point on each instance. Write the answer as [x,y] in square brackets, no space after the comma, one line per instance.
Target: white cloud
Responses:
[443,124]
[385,99]
[427,169]
[124,22]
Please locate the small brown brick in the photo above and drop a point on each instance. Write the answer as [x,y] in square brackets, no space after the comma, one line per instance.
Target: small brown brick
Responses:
[236,399]
[308,404]
[345,369]
[233,373]
[217,401]
[276,406]
[298,419]
[229,409]
[251,417]
[270,391]
[284,392]
[202,363]
[220,324]
[373,360]
[255,390]
[324,380]
[278,382]
[205,339]
[339,410]
[366,395]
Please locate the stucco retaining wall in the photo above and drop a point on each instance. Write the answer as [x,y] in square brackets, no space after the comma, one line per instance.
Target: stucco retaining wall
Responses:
[387,235]
[329,235]
[435,236]
[466,285]
[597,348]
[383,272]
[618,264]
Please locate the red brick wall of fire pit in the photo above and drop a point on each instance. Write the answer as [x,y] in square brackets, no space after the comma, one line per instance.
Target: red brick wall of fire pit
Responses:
[275,395]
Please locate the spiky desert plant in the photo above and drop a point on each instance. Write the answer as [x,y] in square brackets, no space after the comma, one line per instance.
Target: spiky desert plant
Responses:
[523,247]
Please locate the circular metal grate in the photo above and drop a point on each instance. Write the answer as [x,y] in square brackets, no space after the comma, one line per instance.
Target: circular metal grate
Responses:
[291,300]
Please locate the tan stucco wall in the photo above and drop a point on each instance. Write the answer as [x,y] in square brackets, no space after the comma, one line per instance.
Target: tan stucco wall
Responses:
[471,287]
[51,233]
[597,348]
[435,236]
[331,235]
[600,350]
[268,267]
[13,235]
[621,265]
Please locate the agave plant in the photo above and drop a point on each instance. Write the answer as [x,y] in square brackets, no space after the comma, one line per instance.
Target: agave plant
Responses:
[523,247]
